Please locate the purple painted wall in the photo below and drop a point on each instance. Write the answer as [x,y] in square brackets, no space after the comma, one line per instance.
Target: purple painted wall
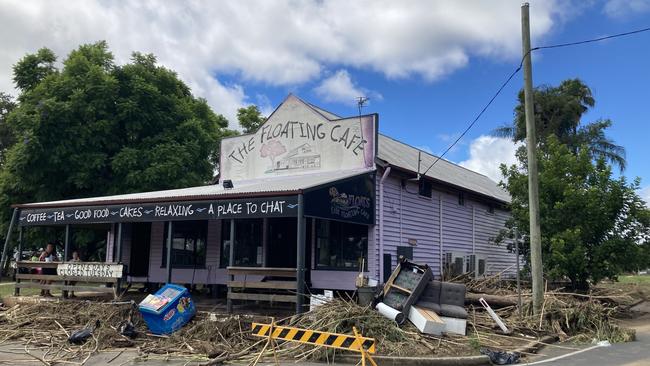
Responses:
[212,274]
[407,217]
[466,228]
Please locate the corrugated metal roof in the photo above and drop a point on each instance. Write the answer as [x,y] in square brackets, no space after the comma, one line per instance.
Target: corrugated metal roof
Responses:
[271,185]
[393,152]
[404,156]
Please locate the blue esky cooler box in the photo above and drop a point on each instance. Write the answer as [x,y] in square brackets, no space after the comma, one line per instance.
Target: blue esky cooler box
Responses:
[169,309]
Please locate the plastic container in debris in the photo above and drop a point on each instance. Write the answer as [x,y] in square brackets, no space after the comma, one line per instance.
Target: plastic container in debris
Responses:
[167,310]
[366,295]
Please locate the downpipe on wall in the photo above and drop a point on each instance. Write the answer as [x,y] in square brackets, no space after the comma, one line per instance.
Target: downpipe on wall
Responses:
[381,224]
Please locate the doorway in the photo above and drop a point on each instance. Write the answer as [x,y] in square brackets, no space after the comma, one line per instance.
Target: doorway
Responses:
[281,246]
[140,246]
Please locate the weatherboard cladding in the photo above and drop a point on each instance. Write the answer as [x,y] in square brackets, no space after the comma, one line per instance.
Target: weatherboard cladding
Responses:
[407,215]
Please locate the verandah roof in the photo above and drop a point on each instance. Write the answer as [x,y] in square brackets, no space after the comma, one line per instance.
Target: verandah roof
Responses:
[277,185]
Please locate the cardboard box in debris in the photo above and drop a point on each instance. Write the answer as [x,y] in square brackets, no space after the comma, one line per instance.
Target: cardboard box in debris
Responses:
[432,306]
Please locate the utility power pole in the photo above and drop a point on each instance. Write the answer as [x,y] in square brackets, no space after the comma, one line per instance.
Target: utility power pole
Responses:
[533,184]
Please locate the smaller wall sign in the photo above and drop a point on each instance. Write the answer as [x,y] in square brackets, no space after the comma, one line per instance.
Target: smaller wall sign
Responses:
[351,200]
[79,269]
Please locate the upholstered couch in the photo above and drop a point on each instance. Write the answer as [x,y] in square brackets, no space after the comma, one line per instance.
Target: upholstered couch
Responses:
[445,298]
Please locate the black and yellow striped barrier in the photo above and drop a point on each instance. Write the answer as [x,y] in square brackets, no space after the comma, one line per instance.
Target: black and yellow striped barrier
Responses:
[333,340]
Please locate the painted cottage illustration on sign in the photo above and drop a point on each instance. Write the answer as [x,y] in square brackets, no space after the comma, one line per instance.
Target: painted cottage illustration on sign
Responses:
[302,157]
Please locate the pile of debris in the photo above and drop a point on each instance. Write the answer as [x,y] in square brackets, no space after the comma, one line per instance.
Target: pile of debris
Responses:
[439,324]
[45,330]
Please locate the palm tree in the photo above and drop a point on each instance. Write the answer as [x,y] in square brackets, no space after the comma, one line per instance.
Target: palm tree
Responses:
[559,111]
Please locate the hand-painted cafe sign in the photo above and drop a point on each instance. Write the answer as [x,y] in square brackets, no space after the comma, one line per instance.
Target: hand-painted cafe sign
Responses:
[296,140]
[285,206]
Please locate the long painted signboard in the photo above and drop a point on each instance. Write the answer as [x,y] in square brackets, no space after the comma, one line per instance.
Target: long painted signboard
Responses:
[284,206]
[296,139]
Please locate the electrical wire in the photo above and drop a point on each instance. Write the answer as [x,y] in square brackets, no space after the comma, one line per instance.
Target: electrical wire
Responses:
[476,118]
[593,39]
[505,83]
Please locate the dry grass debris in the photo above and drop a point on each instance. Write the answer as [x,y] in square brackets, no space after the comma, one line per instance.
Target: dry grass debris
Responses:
[43,328]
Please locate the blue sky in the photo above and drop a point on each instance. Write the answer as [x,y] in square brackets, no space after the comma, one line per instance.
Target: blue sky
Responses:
[428,114]
[428,67]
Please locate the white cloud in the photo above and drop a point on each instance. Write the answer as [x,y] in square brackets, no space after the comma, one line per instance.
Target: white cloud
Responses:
[625,8]
[341,89]
[645,195]
[284,43]
[487,153]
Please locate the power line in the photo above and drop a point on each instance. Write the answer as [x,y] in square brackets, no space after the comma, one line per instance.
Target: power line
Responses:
[592,40]
[477,117]
[559,45]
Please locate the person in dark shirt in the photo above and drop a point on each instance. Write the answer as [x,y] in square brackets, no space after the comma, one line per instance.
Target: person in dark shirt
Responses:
[48,255]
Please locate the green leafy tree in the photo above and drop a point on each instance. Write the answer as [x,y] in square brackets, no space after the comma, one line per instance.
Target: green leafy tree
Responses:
[95,128]
[33,68]
[558,112]
[7,138]
[250,118]
[593,226]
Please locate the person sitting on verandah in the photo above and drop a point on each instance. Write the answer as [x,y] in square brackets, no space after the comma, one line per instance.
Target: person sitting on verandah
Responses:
[75,258]
[34,258]
[49,255]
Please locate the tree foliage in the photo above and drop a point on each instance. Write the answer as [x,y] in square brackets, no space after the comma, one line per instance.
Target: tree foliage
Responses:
[7,138]
[558,112]
[593,226]
[33,68]
[250,118]
[94,127]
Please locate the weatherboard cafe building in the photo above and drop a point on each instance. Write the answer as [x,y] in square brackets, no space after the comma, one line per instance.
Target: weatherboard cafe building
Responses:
[302,205]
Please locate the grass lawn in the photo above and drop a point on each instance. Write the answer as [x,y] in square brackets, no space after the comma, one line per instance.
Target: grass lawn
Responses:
[7,289]
[636,286]
[638,280]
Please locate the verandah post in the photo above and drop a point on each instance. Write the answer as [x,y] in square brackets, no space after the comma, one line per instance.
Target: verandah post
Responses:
[300,255]
[66,253]
[231,262]
[66,243]
[169,252]
[20,257]
[118,244]
[3,260]
[118,254]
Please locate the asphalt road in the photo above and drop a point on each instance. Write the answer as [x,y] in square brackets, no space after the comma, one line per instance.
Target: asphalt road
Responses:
[635,353]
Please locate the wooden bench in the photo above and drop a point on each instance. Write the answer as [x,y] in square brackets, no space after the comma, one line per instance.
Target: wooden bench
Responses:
[263,290]
[67,283]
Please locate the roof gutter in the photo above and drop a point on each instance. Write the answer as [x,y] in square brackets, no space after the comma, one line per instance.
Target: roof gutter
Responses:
[381,223]
[157,200]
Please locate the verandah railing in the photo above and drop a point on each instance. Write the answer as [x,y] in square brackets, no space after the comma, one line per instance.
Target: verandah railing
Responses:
[70,276]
